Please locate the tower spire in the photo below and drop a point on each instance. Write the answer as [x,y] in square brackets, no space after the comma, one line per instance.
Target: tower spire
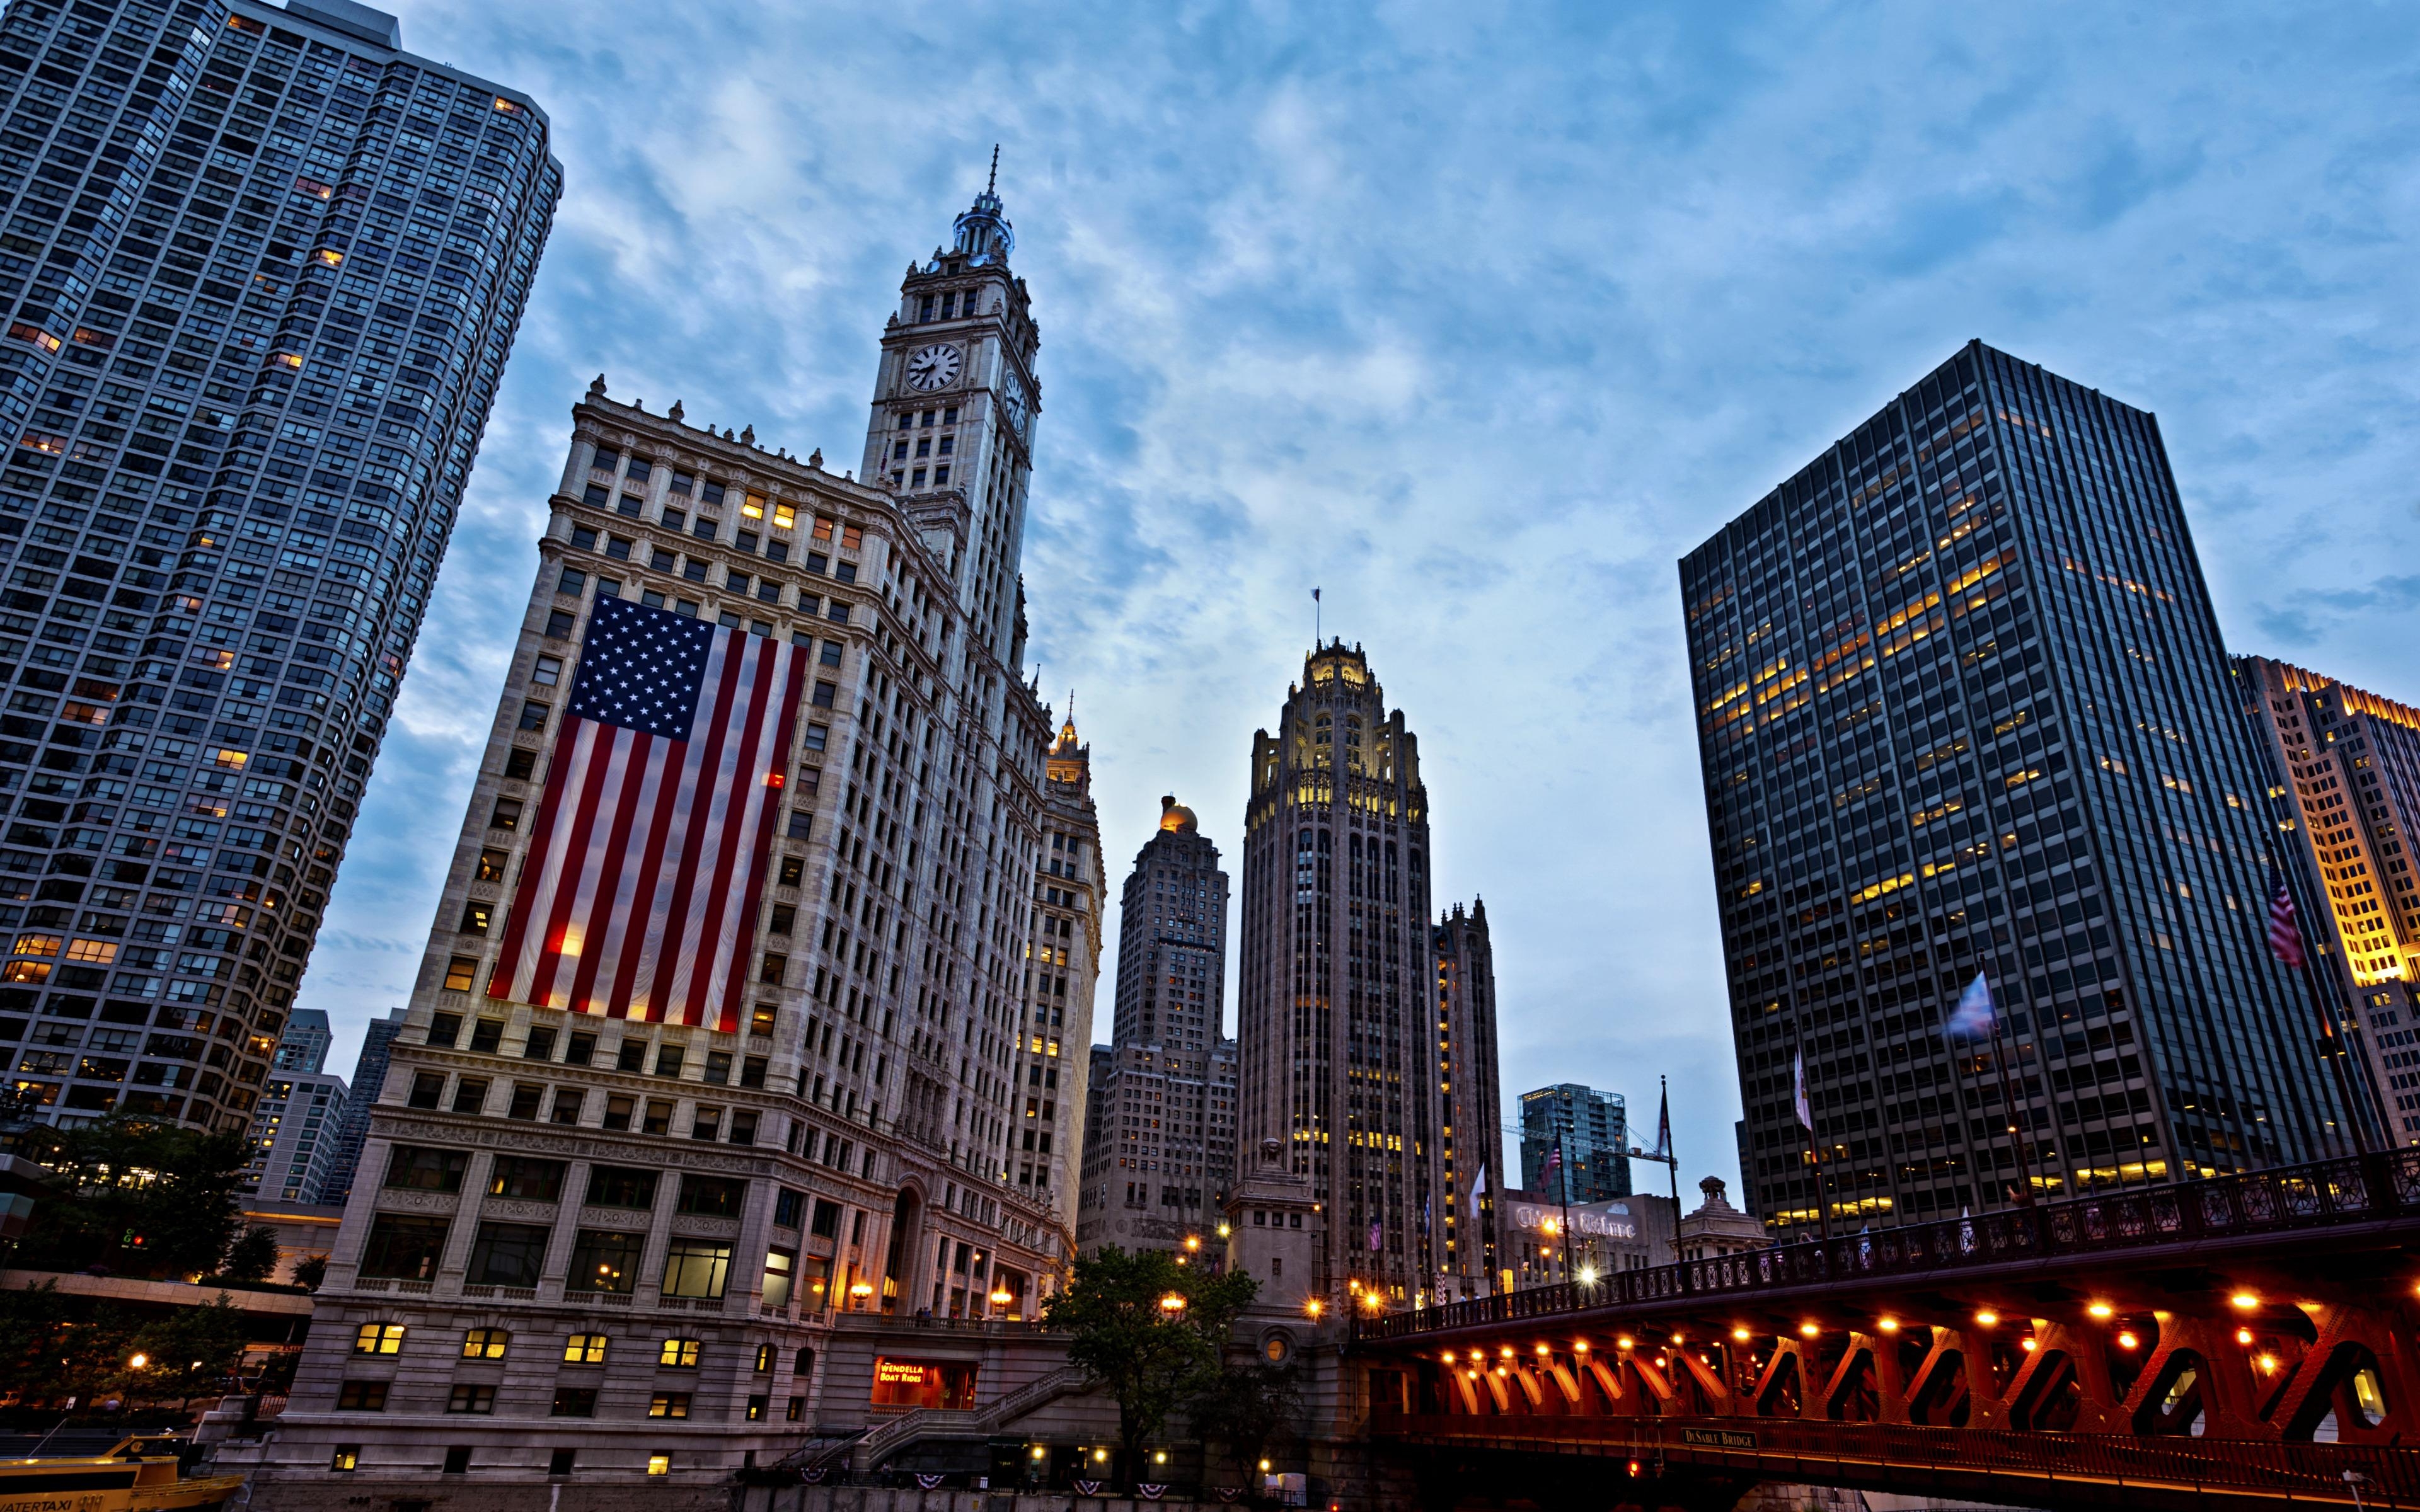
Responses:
[992,184]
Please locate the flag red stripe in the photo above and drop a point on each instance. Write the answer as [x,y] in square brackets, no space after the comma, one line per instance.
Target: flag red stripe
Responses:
[702,765]
[612,856]
[597,760]
[630,924]
[761,846]
[746,787]
[549,804]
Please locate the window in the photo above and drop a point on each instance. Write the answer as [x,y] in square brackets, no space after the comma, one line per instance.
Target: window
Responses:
[785,918]
[794,867]
[463,969]
[507,814]
[520,762]
[485,1035]
[403,1246]
[547,671]
[572,1401]
[671,1404]
[527,1096]
[427,1089]
[789,1206]
[379,1339]
[621,1186]
[712,1197]
[568,1101]
[618,548]
[618,1109]
[659,1119]
[660,1464]
[469,1094]
[485,1343]
[522,1177]
[444,1029]
[718,1067]
[559,623]
[681,1354]
[756,1409]
[696,1268]
[507,1255]
[781,1267]
[362,1396]
[584,1349]
[605,1260]
[458,1459]
[706,1123]
[421,1168]
[573,582]
[825,693]
[475,919]
[471,1398]
[802,1364]
[347,1457]
[534,714]
[818,736]
[668,1059]
[796,1410]
[491,869]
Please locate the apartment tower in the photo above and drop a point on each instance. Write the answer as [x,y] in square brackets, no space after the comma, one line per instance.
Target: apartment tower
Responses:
[261,269]
[1963,709]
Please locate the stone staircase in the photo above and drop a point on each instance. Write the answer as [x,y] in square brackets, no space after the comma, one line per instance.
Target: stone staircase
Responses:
[935,1422]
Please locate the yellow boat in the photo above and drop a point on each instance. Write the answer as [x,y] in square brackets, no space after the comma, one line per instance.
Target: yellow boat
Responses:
[140,1475]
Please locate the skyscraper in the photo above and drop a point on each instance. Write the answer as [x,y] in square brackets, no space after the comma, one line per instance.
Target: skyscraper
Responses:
[295,1135]
[689,1158]
[353,1124]
[1963,708]
[262,268]
[1159,1171]
[1337,1046]
[1459,1228]
[1590,1127]
[2344,785]
[302,1045]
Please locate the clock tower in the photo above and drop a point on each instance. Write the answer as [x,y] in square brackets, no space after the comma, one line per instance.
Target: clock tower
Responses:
[952,430]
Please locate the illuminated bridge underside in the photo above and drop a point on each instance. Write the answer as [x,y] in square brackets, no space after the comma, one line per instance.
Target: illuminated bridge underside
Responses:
[2247,1339]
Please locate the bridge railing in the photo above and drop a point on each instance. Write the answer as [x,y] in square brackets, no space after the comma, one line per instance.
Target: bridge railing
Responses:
[2353,1190]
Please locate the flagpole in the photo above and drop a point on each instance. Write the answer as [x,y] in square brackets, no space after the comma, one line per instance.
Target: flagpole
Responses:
[2328,1025]
[1671,1156]
[1563,1184]
[2019,1121]
[1815,1156]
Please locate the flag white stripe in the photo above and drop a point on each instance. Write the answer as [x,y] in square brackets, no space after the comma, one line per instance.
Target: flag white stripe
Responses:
[539,892]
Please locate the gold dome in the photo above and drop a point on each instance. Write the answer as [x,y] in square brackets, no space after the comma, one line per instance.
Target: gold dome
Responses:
[1176,817]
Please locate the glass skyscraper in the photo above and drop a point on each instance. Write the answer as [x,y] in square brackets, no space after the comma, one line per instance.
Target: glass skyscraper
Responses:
[1963,708]
[1593,1129]
[261,270]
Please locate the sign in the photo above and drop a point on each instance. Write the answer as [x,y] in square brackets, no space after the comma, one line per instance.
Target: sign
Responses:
[942,1384]
[1597,1219]
[899,1372]
[1718,1437]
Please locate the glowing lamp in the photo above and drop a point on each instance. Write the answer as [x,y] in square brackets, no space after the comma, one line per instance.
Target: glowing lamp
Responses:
[2099,1309]
[1740,1334]
[2243,1335]
[1888,1325]
[1987,1318]
[2245,1300]
[138,1362]
[1809,1330]
[2127,1341]
[1172,1304]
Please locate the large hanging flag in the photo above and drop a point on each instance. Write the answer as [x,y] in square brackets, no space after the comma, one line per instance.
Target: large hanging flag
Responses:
[638,898]
[2285,936]
[1975,1017]
[1798,1096]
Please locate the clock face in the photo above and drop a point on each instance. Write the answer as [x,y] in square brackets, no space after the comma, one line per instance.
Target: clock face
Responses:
[932,367]
[1012,403]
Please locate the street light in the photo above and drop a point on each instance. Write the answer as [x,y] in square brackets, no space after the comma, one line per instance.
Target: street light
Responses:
[1172,1304]
[1313,1308]
[138,1362]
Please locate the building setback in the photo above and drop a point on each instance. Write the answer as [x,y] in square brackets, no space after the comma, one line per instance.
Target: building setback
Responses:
[1160,1172]
[1338,1056]
[653,1227]
[1061,977]
[1592,1129]
[1459,1240]
[2345,786]
[1963,707]
[260,269]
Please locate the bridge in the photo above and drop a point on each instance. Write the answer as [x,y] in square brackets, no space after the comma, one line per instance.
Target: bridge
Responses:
[2248,1340]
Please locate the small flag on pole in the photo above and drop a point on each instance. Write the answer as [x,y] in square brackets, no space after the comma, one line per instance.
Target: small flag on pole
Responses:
[2285,936]
[1975,1017]
[1798,1096]
[1663,1128]
[1554,1167]
[1375,1237]
[1477,1190]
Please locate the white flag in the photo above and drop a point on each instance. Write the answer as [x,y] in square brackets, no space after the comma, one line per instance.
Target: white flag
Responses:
[1477,1190]
[1799,1071]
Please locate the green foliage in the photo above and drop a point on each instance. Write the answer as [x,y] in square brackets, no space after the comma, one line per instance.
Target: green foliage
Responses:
[1244,1406]
[138,1198]
[252,1257]
[1147,1357]
[186,1352]
[310,1271]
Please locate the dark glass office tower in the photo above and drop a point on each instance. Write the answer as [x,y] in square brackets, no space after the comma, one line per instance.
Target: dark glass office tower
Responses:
[1592,1129]
[1963,707]
[260,270]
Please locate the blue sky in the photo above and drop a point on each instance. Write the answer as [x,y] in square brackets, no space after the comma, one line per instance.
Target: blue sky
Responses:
[1478,323]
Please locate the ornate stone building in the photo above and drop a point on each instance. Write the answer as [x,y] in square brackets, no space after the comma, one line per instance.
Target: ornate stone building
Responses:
[609,1246]
[1343,1056]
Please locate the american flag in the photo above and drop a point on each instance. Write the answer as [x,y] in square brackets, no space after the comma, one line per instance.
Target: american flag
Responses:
[1554,1167]
[638,897]
[2284,936]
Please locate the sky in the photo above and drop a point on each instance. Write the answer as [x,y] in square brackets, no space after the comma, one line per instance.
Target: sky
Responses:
[1477,321]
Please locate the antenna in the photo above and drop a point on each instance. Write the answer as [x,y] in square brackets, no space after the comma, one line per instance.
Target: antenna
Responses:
[1315,627]
[993,182]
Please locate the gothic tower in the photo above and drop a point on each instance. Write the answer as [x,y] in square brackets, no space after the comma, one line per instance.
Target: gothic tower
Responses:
[955,401]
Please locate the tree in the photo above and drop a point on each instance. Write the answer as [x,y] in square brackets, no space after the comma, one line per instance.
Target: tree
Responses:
[186,1352]
[252,1257]
[1147,1355]
[309,1271]
[139,1197]
[1244,1406]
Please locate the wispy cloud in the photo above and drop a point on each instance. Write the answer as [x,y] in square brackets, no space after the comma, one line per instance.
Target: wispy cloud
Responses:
[1477,321]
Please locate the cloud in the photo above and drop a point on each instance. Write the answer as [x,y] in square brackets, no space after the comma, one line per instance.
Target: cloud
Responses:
[1476,320]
